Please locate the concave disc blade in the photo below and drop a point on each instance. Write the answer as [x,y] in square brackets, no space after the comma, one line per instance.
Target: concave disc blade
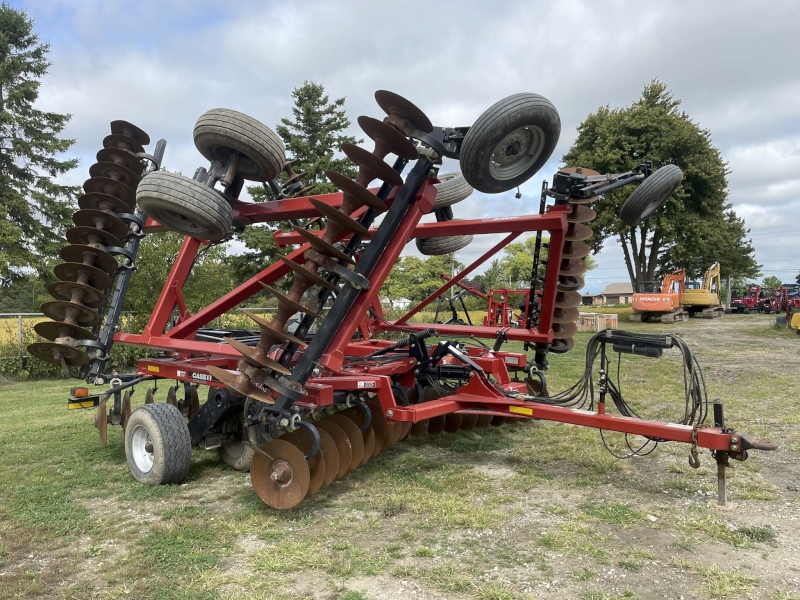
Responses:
[570,283]
[387,138]
[392,431]
[368,435]
[100,219]
[568,300]
[47,351]
[82,254]
[362,195]
[562,331]
[281,480]
[575,250]
[578,232]
[394,104]
[316,465]
[354,435]
[469,422]
[51,330]
[130,130]
[321,245]
[342,445]
[331,455]
[126,409]
[342,219]
[497,421]
[452,422]
[483,421]
[581,214]
[572,267]
[70,271]
[367,160]
[379,429]
[101,421]
[59,310]
[560,346]
[436,425]
[304,273]
[420,428]
[405,430]
[255,357]
[566,315]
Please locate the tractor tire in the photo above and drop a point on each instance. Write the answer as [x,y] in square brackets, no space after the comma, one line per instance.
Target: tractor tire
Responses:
[452,189]
[234,453]
[185,205]
[170,456]
[221,131]
[651,195]
[509,143]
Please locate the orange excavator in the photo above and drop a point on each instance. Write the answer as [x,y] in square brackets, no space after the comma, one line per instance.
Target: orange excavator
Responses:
[649,303]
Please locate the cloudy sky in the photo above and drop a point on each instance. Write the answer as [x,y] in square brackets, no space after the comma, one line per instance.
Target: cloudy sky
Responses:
[162,64]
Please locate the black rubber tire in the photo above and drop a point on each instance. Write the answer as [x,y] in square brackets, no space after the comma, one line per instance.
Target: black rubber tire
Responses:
[172,444]
[220,131]
[651,195]
[234,453]
[436,246]
[185,205]
[530,111]
[452,189]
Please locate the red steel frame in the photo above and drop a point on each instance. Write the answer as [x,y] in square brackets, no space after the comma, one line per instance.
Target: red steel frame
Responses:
[479,395]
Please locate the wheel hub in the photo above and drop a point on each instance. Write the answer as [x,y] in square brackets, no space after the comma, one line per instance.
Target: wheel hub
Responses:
[516,152]
[142,449]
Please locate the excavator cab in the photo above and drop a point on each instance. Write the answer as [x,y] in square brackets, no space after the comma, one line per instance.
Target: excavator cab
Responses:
[648,287]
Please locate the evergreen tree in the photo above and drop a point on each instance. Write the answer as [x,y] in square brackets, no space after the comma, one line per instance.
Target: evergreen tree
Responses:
[697,227]
[316,134]
[34,210]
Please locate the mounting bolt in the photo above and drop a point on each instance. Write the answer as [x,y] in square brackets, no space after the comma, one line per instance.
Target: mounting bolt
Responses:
[735,447]
[472,373]
[389,414]
[416,371]
[315,372]
[734,440]
[283,422]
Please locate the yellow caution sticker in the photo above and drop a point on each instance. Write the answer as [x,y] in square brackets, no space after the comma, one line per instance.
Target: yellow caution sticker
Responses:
[521,410]
[153,368]
[83,404]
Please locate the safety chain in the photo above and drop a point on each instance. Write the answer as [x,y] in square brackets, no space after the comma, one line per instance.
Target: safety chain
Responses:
[694,460]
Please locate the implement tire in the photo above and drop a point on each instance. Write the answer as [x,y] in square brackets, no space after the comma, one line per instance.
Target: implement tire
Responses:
[158,446]
[651,195]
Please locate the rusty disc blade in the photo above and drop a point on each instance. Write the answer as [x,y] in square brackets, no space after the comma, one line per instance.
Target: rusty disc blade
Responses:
[581,214]
[149,397]
[303,191]
[321,245]
[194,403]
[388,138]
[130,130]
[391,431]
[436,425]
[126,409]
[369,444]
[286,301]
[101,421]
[581,170]
[121,157]
[395,105]
[589,200]
[469,422]
[342,442]
[111,187]
[566,315]
[282,480]
[405,429]
[104,202]
[303,273]
[253,355]
[86,294]
[534,385]
[340,218]
[331,455]
[53,353]
[123,142]
[69,271]
[353,433]
[381,436]
[578,232]
[571,267]
[497,420]
[80,253]
[376,167]
[59,310]
[316,466]
[52,330]
[562,331]
[570,283]
[115,171]
[575,250]
[483,421]
[278,334]
[568,299]
[362,195]
[419,429]
[172,397]
[452,422]
[109,222]
[561,346]
[92,235]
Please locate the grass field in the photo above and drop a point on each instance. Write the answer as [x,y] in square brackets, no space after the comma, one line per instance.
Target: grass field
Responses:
[538,510]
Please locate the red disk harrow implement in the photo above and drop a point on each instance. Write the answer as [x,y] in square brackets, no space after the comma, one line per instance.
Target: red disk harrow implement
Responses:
[302,408]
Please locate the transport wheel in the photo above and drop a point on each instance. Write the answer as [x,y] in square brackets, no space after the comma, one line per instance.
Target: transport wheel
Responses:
[234,453]
[509,143]
[221,131]
[436,246]
[157,445]
[651,195]
[185,205]
[452,189]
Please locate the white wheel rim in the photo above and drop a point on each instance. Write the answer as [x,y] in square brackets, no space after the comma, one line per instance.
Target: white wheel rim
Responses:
[516,152]
[141,457]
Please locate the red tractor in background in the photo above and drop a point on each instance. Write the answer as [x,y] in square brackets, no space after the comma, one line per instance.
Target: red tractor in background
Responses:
[746,302]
